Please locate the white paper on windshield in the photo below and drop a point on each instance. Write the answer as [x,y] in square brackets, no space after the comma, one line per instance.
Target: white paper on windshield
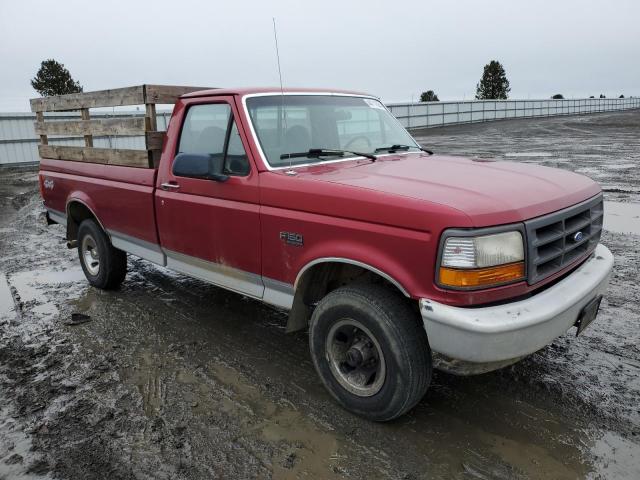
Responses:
[374,103]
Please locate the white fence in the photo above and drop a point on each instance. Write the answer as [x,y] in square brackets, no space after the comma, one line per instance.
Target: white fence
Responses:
[19,144]
[438,114]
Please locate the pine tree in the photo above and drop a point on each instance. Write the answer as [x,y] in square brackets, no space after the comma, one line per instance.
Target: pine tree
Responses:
[54,79]
[493,84]
[429,96]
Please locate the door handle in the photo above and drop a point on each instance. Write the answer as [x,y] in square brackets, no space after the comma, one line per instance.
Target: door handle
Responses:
[169,186]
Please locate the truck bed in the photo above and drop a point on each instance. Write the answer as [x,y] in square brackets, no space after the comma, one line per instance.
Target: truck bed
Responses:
[121,197]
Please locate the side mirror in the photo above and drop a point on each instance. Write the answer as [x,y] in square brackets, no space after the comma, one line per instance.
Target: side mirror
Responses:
[199,165]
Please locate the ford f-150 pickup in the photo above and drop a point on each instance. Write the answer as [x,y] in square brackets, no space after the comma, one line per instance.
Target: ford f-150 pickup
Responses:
[395,259]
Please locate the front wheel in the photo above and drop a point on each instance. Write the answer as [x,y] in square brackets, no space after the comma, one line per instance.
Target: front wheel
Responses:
[104,265]
[370,351]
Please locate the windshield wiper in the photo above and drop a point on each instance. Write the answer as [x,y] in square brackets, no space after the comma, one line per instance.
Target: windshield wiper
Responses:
[395,148]
[322,152]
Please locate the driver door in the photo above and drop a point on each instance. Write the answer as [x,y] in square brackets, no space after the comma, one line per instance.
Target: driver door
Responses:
[210,229]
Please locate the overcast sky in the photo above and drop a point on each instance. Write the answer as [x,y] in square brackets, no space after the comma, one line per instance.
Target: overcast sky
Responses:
[393,49]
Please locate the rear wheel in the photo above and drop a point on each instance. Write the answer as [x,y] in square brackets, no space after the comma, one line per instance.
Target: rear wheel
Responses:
[104,265]
[370,351]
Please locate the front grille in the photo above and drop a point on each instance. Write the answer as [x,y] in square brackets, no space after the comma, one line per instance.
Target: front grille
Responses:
[552,242]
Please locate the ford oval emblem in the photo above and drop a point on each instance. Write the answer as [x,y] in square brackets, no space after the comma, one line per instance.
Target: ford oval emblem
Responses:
[578,236]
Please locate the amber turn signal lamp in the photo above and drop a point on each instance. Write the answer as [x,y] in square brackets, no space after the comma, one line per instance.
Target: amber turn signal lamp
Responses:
[481,277]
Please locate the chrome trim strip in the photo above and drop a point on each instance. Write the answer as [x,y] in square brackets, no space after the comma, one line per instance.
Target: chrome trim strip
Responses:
[384,275]
[278,293]
[274,292]
[57,216]
[272,94]
[140,248]
[239,281]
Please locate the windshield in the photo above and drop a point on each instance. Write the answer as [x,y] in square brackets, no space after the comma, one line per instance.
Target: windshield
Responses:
[290,124]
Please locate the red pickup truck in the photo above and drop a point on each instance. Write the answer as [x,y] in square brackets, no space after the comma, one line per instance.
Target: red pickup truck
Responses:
[395,259]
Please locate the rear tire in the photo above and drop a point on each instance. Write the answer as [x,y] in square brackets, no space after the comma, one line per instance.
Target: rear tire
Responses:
[370,351]
[104,265]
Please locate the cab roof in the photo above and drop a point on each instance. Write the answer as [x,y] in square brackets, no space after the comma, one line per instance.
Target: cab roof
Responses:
[275,90]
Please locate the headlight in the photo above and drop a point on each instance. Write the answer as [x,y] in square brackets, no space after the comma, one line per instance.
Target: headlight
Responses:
[481,261]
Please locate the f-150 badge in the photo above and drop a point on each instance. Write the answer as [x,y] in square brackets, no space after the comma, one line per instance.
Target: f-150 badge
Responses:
[292,238]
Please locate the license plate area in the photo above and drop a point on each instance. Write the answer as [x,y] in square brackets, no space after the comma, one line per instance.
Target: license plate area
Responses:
[588,314]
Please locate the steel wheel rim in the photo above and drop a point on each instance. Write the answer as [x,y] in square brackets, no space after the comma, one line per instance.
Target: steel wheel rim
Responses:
[90,256]
[355,358]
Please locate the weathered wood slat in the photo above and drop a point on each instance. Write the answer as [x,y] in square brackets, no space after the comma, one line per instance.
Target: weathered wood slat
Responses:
[40,119]
[86,116]
[102,98]
[149,95]
[155,140]
[107,126]
[151,122]
[110,156]
[167,93]
[138,95]
[113,126]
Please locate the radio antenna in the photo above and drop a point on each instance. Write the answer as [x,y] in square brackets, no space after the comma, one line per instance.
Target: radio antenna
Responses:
[282,109]
[275,36]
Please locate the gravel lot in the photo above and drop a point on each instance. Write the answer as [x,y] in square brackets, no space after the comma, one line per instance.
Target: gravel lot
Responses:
[174,378]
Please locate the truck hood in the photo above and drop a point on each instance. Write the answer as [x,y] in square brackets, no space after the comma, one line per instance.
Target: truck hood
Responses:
[488,192]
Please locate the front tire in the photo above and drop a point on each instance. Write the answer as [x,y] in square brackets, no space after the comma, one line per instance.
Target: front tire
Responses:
[370,351]
[104,265]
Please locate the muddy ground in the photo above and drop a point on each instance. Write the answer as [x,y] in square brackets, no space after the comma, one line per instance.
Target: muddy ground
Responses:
[603,146]
[174,378]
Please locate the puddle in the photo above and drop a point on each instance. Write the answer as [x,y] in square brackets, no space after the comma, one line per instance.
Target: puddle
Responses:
[16,456]
[315,449]
[528,154]
[619,188]
[29,284]
[621,166]
[34,288]
[622,217]
[6,299]
[590,171]
[301,446]
[617,457]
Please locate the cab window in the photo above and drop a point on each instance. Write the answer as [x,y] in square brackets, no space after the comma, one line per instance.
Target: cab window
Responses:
[211,130]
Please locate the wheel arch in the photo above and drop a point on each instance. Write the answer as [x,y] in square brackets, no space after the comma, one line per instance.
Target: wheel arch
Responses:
[77,210]
[322,275]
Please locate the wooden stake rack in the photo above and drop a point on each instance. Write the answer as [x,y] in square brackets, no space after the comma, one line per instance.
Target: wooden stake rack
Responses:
[147,95]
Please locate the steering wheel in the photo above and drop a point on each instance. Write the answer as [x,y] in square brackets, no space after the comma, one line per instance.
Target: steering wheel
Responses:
[358,138]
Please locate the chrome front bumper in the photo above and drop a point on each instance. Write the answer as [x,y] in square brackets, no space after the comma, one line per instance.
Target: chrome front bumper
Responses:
[473,340]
